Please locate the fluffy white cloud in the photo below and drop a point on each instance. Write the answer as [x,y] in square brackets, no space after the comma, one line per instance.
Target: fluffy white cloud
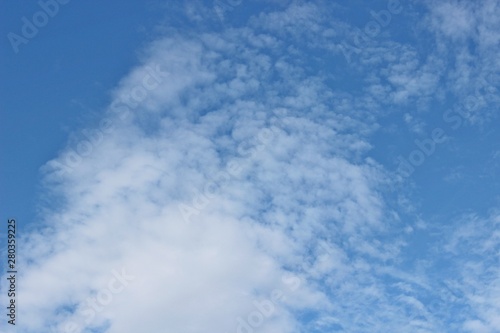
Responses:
[229,188]
[227,127]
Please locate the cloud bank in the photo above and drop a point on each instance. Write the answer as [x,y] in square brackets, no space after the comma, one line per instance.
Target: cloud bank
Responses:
[230,188]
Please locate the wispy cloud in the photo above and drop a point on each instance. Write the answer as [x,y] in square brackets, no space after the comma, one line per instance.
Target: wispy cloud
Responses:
[271,162]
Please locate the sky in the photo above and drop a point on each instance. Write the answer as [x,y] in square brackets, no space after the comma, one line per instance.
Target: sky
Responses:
[251,166]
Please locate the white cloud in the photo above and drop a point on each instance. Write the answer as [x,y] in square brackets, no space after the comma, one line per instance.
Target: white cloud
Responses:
[120,207]
[473,247]
[304,214]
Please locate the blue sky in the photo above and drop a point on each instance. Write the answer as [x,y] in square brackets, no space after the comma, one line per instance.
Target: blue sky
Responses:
[253,166]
